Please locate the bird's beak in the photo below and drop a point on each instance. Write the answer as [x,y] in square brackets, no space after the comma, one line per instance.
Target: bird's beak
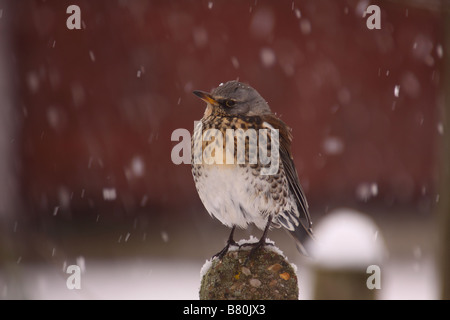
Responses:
[205,96]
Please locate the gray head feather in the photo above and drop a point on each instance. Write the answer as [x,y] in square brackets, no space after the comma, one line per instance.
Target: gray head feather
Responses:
[247,101]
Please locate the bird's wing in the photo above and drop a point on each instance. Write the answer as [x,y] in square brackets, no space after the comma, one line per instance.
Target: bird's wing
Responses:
[303,228]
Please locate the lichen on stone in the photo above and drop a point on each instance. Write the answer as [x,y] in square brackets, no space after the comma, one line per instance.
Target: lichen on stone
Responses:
[267,275]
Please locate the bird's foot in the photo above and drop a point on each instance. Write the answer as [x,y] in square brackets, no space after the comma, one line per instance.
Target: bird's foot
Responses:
[224,251]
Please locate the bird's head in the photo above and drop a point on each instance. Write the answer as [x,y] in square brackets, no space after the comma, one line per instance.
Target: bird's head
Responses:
[234,98]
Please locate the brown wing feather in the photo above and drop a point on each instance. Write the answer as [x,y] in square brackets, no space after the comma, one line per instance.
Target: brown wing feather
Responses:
[287,162]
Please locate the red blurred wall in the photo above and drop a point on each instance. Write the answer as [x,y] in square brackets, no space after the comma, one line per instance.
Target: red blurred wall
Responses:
[98,106]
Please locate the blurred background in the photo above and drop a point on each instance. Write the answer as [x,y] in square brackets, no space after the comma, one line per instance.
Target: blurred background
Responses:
[86,118]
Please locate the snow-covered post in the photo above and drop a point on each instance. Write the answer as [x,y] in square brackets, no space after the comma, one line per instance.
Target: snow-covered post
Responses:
[347,257]
[444,198]
[267,275]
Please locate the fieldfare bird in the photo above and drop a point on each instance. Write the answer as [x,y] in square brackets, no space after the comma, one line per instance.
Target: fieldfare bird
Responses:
[235,189]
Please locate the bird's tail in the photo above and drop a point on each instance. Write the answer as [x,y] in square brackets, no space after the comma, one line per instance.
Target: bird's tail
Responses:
[301,236]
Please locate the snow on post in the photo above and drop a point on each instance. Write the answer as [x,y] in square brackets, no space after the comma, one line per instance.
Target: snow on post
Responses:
[347,255]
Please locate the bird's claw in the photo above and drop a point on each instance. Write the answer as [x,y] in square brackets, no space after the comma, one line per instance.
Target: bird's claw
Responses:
[224,251]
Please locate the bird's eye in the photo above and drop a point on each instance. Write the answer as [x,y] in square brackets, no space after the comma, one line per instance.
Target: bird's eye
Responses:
[229,103]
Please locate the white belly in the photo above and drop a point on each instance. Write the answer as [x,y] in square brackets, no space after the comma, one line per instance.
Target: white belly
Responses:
[232,195]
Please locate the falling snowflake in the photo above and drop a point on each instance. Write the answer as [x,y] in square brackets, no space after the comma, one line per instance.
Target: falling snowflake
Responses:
[396,90]
[109,194]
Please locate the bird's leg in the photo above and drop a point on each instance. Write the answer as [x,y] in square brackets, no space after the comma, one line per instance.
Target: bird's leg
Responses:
[261,242]
[230,242]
